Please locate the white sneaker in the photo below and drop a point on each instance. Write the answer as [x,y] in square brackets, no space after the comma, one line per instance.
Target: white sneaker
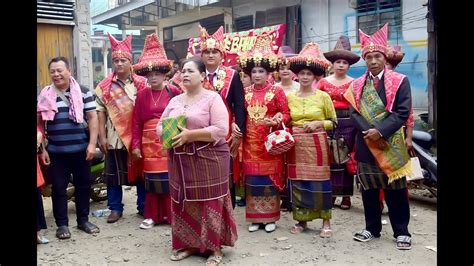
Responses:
[270,227]
[254,227]
[147,224]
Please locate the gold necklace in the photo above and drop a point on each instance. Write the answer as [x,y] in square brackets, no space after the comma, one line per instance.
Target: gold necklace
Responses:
[153,98]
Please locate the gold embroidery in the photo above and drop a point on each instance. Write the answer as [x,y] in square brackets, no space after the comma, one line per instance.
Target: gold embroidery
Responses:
[210,43]
[257,111]
[371,47]
[221,74]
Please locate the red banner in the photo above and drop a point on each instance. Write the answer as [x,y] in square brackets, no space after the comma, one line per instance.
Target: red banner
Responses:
[242,41]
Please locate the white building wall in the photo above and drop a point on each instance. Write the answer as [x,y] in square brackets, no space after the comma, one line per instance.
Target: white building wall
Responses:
[323,21]
[249,7]
[414,21]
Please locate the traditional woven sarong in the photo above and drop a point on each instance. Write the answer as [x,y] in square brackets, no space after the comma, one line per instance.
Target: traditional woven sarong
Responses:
[157,183]
[309,159]
[120,110]
[311,200]
[342,181]
[199,171]
[371,177]
[262,200]
[116,171]
[394,160]
[170,129]
[308,170]
[205,225]
[155,160]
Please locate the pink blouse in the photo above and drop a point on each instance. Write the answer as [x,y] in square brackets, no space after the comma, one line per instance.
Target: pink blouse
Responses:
[208,112]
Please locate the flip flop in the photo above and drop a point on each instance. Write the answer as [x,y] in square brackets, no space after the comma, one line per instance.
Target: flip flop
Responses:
[214,260]
[181,255]
[403,242]
[63,232]
[41,239]
[297,228]
[325,232]
[89,228]
[345,203]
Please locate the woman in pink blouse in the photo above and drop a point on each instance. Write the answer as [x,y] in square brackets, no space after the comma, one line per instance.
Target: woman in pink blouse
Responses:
[149,105]
[198,167]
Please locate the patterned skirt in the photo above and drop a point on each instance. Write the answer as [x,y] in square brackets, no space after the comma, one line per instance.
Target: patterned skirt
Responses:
[262,200]
[157,183]
[370,176]
[116,167]
[311,200]
[342,181]
[157,199]
[205,225]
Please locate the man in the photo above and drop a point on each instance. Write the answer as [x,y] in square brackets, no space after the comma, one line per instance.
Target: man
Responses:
[115,100]
[63,105]
[380,106]
[227,83]
[394,57]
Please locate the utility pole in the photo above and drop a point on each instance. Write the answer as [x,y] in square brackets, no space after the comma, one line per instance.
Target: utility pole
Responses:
[432,66]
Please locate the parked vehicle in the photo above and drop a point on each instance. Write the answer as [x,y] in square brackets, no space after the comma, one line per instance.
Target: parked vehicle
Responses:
[98,185]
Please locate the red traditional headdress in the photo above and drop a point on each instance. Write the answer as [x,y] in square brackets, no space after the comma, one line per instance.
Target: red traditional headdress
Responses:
[153,57]
[121,48]
[375,43]
[261,55]
[214,41]
[310,57]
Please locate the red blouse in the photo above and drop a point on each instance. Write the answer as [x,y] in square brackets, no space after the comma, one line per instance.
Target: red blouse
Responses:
[336,93]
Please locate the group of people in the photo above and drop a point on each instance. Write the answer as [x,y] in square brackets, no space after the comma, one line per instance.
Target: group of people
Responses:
[192,185]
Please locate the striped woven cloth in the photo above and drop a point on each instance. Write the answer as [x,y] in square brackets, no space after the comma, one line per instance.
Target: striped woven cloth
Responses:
[170,129]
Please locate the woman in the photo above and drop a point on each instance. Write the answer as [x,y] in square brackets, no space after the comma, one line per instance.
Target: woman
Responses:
[289,85]
[41,220]
[312,113]
[199,167]
[149,105]
[342,176]
[246,79]
[262,171]
[286,76]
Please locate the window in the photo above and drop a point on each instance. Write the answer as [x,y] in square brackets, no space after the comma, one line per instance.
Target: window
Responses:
[243,23]
[168,34]
[371,15]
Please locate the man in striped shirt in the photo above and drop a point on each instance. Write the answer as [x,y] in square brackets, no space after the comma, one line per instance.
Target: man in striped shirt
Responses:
[64,106]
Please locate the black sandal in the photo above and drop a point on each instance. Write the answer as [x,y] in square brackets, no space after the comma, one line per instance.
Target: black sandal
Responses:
[363,236]
[403,242]
[89,228]
[63,232]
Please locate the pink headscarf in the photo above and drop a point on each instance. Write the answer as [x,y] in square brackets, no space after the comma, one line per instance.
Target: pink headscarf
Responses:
[47,102]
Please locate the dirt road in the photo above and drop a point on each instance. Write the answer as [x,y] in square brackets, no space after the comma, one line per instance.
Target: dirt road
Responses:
[124,243]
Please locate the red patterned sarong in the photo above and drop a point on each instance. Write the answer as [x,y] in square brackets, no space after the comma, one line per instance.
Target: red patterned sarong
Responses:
[154,158]
[309,159]
[205,225]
